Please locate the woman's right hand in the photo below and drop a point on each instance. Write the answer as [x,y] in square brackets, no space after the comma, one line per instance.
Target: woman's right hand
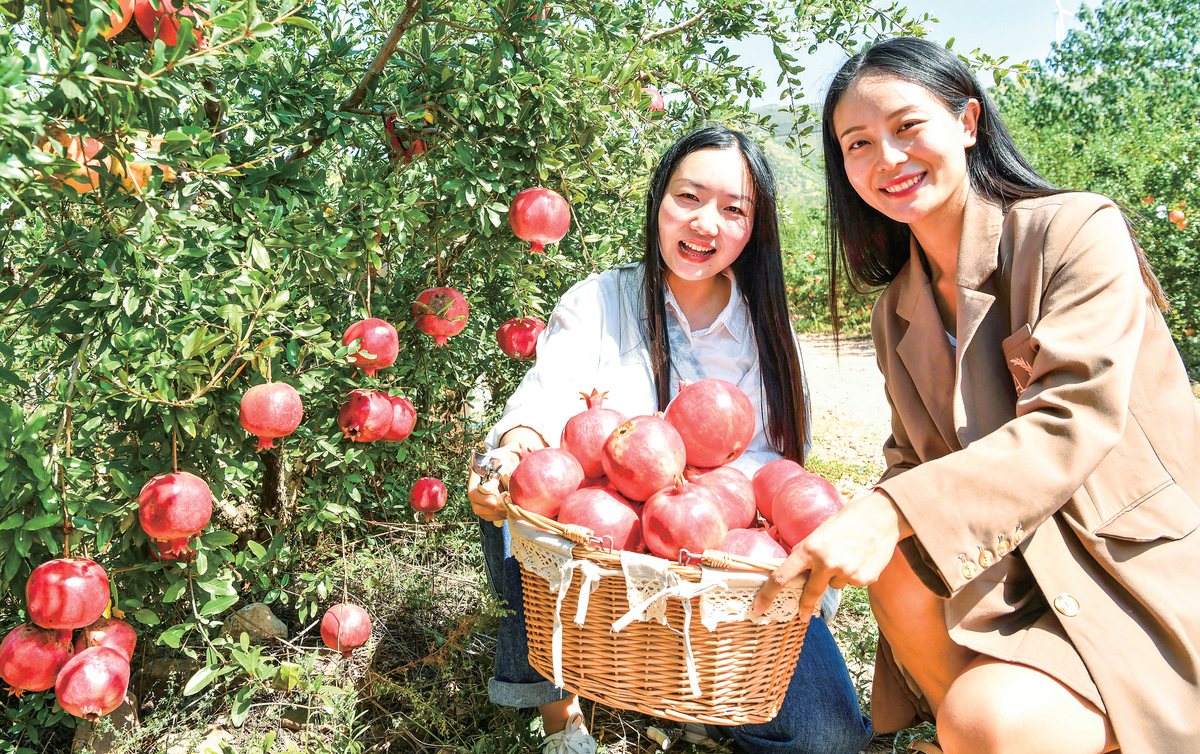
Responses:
[485,498]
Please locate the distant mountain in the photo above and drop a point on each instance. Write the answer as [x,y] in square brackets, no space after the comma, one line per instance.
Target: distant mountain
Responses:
[798,180]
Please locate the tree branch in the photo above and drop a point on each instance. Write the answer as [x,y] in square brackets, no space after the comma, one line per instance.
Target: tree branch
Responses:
[674,29]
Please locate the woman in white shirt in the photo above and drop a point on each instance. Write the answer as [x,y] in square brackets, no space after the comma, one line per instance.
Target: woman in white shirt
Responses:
[707,300]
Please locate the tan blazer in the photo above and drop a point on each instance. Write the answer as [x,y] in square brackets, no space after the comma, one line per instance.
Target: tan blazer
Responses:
[1052,460]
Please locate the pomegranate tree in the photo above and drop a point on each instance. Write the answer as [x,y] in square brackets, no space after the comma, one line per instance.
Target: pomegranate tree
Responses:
[440,312]
[657,103]
[108,632]
[345,627]
[585,433]
[379,344]
[30,657]
[271,410]
[518,337]
[715,420]
[642,456]
[404,418]
[543,479]
[163,22]
[752,543]
[428,496]
[805,502]
[92,683]
[684,516]
[366,416]
[606,513]
[67,593]
[540,216]
[733,491]
[769,479]
[173,508]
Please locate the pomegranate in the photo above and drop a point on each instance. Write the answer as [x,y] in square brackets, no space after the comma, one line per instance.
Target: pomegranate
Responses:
[30,657]
[715,420]
[440,312]
[366,416]
[345,626]
[733,491]
[606,513]
[173,508]
[543,480]
[540,216]
[379,347]
[108,632]
[415,146]
[585,432]
[769,479]
[428,495]
[804,503]
[752,543]
[178,549]
[657,103]
[684,516]
[117,20]
[1176,216]
[163,22]
[271,410]
[93,682]
[404,418]
[67,593]
[518,337]
[642,456]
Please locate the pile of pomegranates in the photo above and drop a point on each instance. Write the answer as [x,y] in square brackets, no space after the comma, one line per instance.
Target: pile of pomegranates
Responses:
[662,483]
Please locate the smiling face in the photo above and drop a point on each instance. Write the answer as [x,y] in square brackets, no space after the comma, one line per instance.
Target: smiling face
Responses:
[904,152]
[707,214]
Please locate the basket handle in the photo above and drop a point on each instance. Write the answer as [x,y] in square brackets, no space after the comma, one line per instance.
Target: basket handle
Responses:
[580,535]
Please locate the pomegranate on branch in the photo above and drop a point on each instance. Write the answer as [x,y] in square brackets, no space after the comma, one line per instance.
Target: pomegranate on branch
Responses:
[379,346]
[163,22]
[108,632]
[344,627]
[271,410]
[366,416]
[657,103]
[92,683]
[30,657]
[404,418]
[441,312]
[67,593]
[428,496]
[173,508]
[518,337]
[540,216]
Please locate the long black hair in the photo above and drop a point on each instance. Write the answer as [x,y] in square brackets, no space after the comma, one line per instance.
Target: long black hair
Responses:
[871,246]
[759,272]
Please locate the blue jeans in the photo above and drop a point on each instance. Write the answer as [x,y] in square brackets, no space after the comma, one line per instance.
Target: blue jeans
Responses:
[820,712]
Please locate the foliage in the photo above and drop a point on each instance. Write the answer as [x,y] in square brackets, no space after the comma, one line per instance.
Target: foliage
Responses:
[1112,110]
[806,269]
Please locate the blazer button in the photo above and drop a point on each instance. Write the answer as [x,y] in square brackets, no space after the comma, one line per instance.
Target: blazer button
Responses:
[1001,546]
[985,559]
[970,570]
[1067,605]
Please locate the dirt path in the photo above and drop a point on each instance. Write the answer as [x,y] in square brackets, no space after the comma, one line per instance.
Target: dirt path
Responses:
[850,414]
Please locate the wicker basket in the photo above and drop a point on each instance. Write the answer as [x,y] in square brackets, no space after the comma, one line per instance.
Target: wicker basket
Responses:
[743,668]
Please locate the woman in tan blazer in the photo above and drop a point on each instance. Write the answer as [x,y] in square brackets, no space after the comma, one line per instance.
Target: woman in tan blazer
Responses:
[1031,550]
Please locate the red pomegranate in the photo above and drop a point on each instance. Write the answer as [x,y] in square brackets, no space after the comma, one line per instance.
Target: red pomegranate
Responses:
[380,344]
[585,432]
[543,480]
[415,146]
[428,495]
[93,683]
[344,627]
[606,513]
[117,20]
[366,416]
[657,103]
[752,543]
[271,410]
[685,516]
[540,216]
[518,337]
[404,418]
[733,491]
[163,22]
[804,503]
[769,479]
[178,549]
[108,632]
[173,508]
[440,312]
[67,593]
[30,657]
[715,420]
[642,456]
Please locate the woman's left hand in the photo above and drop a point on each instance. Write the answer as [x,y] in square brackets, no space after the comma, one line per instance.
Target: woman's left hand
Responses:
[852,547]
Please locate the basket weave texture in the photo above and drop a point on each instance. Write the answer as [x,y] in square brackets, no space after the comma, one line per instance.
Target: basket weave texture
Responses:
[743,667]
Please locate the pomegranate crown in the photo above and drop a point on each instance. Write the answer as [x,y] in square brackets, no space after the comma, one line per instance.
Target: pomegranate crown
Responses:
[595,399]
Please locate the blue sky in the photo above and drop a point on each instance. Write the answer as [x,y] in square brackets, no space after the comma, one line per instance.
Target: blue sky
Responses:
[1021,29]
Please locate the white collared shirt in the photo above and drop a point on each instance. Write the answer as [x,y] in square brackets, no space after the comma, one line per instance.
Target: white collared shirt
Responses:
[581,349]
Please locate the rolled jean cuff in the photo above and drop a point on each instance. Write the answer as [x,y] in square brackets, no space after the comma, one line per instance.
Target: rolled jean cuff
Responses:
[524,695]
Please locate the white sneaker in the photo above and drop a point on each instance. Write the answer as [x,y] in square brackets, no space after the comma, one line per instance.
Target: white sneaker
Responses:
[574,739]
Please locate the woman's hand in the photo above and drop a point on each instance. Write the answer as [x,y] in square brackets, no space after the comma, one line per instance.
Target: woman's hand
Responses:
[485,498]
[852,547]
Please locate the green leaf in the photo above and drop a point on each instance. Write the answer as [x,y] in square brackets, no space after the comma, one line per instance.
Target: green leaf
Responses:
[173,636]
[146,617]
[202,678]
[241,706]
[219,538]
[303,23]
[42,521]
[218,605]
[216,161]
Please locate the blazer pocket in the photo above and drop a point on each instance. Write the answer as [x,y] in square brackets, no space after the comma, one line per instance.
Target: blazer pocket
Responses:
[1018,355]
[1167,512]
